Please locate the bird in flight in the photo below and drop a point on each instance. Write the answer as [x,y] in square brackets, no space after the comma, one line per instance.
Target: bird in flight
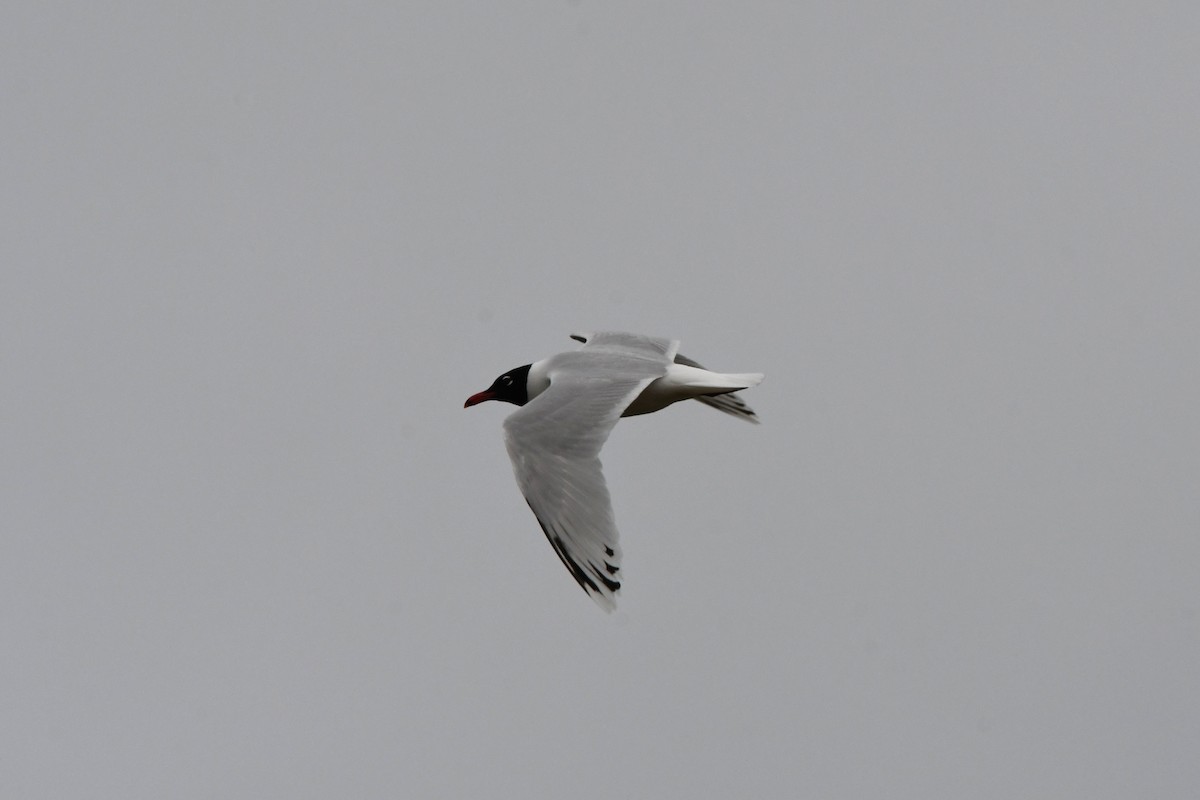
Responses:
[569,404]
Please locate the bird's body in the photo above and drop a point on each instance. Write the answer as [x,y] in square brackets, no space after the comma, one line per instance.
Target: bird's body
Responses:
[569,404]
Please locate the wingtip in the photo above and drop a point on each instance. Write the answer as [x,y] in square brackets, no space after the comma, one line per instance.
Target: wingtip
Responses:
[608,603]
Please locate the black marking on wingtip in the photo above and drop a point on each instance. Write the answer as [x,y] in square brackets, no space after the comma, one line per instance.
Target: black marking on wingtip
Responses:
[577,571]
[611,584]
[731,404]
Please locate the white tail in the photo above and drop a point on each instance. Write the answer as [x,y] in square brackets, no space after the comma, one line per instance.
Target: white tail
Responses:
[744,380]
[700,378]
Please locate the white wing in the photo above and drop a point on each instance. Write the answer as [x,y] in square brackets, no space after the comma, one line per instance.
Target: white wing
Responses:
[554,442]
[632,345]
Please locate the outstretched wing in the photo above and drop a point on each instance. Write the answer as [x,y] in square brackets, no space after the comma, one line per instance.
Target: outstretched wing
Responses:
[630,344]
[554,442]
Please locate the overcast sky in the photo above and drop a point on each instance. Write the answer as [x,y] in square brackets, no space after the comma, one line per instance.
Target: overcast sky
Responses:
[255,256]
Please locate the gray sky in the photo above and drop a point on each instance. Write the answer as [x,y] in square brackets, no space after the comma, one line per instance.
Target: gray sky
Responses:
[256,256]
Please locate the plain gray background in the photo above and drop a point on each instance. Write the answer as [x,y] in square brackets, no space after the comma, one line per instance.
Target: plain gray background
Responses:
[255,256]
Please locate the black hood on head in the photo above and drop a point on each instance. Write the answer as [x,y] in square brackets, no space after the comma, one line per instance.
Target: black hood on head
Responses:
[511,387]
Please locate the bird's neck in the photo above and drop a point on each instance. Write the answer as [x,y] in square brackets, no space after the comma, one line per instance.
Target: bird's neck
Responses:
[538,379]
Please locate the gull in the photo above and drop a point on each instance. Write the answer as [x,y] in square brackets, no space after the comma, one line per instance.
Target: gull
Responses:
[569,404]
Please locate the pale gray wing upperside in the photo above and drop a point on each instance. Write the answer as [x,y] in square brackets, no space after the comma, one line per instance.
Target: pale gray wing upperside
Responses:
[554,443]
[630,344]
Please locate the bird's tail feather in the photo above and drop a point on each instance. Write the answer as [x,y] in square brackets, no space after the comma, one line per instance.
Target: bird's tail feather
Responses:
[731,403]
[742,380]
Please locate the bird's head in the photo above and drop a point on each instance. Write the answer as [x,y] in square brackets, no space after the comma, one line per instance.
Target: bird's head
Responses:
[511,387]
